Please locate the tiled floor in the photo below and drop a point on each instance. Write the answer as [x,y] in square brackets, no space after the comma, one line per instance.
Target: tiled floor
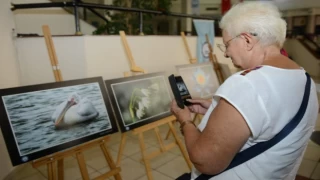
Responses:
[165,167]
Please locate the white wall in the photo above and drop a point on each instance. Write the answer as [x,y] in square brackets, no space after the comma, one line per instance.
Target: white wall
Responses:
[59,20]
[90,56]
[303,57]
[8,71]
[35,66]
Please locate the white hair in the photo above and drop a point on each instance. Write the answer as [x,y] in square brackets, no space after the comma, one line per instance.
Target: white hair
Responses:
[261,18]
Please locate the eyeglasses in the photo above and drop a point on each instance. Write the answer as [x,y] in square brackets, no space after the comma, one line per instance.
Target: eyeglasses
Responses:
[224,48]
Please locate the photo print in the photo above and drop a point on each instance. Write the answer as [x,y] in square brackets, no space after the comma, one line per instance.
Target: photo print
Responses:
[139,100]
[43,119]
[200,79]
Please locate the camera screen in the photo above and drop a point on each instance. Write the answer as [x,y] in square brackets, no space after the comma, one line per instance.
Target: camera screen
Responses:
[182,87]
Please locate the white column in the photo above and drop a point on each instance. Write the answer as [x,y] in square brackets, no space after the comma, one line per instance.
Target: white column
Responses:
[189,20]
[289,23]
[186,23]
[108,2]
[311,24]
[173,26]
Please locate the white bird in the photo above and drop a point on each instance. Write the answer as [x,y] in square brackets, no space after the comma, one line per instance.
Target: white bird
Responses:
[74,110]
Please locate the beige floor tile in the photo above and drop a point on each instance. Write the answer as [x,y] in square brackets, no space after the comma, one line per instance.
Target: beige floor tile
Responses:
[24,171]
[316,173]
[306,167]
[176,150]
[131,146]
[179,135]
[157,161]
[312,153]
[131,135]
[130,169]
[71,170]
[318,121]
[37,176]
[311,143]
[92,175]
[156,176]
[95,159]
[175,168]
[105,170]
[114,138]
[150,137]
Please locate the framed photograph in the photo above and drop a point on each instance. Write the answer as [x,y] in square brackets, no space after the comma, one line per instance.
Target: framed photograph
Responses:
[200,79]
[139,100]
[40,120]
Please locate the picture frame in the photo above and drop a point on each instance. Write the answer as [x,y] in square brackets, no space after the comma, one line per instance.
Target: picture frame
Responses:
[200,79]
[140,100]
[39,120]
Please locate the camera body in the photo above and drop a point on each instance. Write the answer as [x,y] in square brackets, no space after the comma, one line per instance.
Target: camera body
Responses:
[180,91]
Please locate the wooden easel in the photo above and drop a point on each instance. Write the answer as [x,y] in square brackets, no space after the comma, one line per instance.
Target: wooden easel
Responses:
[214,61]
[152,126]
[191,59]
[51,160]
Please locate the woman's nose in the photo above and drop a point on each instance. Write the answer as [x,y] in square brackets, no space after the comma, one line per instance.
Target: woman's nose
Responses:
[225,54]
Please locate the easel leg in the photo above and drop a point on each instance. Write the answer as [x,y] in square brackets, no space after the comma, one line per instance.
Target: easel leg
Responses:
[109,160]
[52,171]
[144,157]
[156,130]
[184,153]
[169,132]
[60,169]
[122,144]
[82,165]
[196,117]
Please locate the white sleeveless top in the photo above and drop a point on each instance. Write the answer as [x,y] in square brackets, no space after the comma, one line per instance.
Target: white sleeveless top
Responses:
[268,98]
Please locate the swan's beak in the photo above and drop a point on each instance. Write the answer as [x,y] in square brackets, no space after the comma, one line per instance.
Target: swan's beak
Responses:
[63,112]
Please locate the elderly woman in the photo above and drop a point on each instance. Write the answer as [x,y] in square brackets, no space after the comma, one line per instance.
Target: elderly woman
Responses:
[252,106]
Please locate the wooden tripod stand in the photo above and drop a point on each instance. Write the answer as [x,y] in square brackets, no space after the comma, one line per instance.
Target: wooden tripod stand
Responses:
[152,126]
[54,162]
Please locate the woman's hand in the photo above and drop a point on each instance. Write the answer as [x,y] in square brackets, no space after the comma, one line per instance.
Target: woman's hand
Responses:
[181,114]
[199,106]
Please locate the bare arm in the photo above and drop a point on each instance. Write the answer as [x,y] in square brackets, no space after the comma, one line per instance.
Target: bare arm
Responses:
[212,150]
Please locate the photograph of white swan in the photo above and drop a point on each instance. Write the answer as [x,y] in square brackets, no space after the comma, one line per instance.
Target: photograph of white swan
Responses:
[74,110]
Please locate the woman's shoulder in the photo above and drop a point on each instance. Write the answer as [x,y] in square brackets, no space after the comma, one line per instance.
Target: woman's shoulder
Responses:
[264,77]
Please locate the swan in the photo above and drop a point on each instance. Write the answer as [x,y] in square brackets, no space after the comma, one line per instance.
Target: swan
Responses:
[74,110]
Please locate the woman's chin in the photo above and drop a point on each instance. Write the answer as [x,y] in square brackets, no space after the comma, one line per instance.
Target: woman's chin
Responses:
[236,65]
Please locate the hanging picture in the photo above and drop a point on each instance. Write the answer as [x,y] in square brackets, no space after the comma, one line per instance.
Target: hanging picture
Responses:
[139,100]
[200,79]
[39,120]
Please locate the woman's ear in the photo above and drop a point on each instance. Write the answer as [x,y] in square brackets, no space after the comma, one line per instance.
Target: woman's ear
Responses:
[249,40]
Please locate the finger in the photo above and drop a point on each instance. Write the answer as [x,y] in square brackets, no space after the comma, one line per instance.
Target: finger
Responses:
[195,100]
[174,106]
[191,108]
